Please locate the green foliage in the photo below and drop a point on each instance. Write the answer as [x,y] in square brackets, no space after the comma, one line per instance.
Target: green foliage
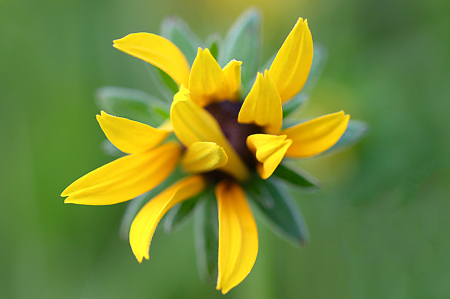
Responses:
[206,227]
[179,214]
[243,43]
[132,104]
[276,204]
[296,176]
[213,43]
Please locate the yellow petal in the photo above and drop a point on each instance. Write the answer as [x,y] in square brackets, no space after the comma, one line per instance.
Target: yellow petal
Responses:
[204,157]
[262,106]
[130,136]
[157,51]
[233,73]
[238,236]
[124,178]
[207,81]
[144,225]
[191,123]
[269,150]
[317,135]
[291,66]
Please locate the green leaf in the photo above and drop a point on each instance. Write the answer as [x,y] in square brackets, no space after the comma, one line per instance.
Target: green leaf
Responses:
[294,103]
[179,214]
[355,131]
[177,31]
[296,176]
[135,205]
[278,206]
[243,43]
[110,149]
[206,224]
[213,43]
[130,103]
[165,85]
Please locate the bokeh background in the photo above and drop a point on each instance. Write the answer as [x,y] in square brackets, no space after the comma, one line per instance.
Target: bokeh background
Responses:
[379,227]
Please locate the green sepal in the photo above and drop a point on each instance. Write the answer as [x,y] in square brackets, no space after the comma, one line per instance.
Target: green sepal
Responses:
[296,176]
[132,104]
[179,214]
[277,205]
[135,205]
[355,131]
[178,31]
[243,43]
[213,43]
[206,225]
[294,104]
[109,149]
[165,85]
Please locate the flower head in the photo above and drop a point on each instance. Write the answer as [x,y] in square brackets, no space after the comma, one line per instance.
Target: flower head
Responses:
[223,140]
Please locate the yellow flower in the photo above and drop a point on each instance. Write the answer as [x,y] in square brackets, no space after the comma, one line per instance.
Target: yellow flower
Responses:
[222,141]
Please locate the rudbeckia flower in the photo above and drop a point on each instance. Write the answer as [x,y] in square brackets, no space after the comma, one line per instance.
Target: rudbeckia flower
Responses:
[223,140]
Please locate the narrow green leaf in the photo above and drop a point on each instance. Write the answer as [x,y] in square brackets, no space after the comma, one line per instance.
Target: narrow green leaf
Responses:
[213,43]
[179,214]
[165,85]
[109,149]
[282,211]
[243,43]
[296,176]
[135,205]
[177,31]
[355,131]
[206,224]
[130,103]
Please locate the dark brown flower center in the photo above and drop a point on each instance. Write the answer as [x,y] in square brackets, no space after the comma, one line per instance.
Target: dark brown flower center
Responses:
[226,114]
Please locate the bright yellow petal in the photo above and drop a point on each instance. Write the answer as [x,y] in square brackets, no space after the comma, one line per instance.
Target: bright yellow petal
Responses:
[124,178]
[204,157]
[207,81]
[262,106]
[144,225]
[317,135]
[157,51]
[238,236]
[233,73]
[191,123]
[291,66]
[130,136]
[269,150]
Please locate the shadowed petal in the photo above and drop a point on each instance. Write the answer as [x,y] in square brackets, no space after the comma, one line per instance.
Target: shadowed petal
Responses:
[157,51]
[130,136]
[233,73]
[291,66]
[124,178]
[204,157]
[145,222]
[317,135]
[269,150]
[262,106]
[191,123]
[207,81]
[238,236]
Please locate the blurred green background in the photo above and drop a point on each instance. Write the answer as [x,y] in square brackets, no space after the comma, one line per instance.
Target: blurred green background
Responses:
[379,227]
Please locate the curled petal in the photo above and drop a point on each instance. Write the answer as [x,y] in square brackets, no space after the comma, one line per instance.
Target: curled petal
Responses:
[130,136]
[204,157]
[144,225]
[262,106]
[157,51]
[291,66]
[207,81]
[269,150]
[125,178]
[233,73]
[317,135]
[191,123]
[238,236]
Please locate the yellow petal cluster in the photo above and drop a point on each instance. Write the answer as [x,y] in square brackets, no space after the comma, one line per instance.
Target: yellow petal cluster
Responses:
[203,147]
